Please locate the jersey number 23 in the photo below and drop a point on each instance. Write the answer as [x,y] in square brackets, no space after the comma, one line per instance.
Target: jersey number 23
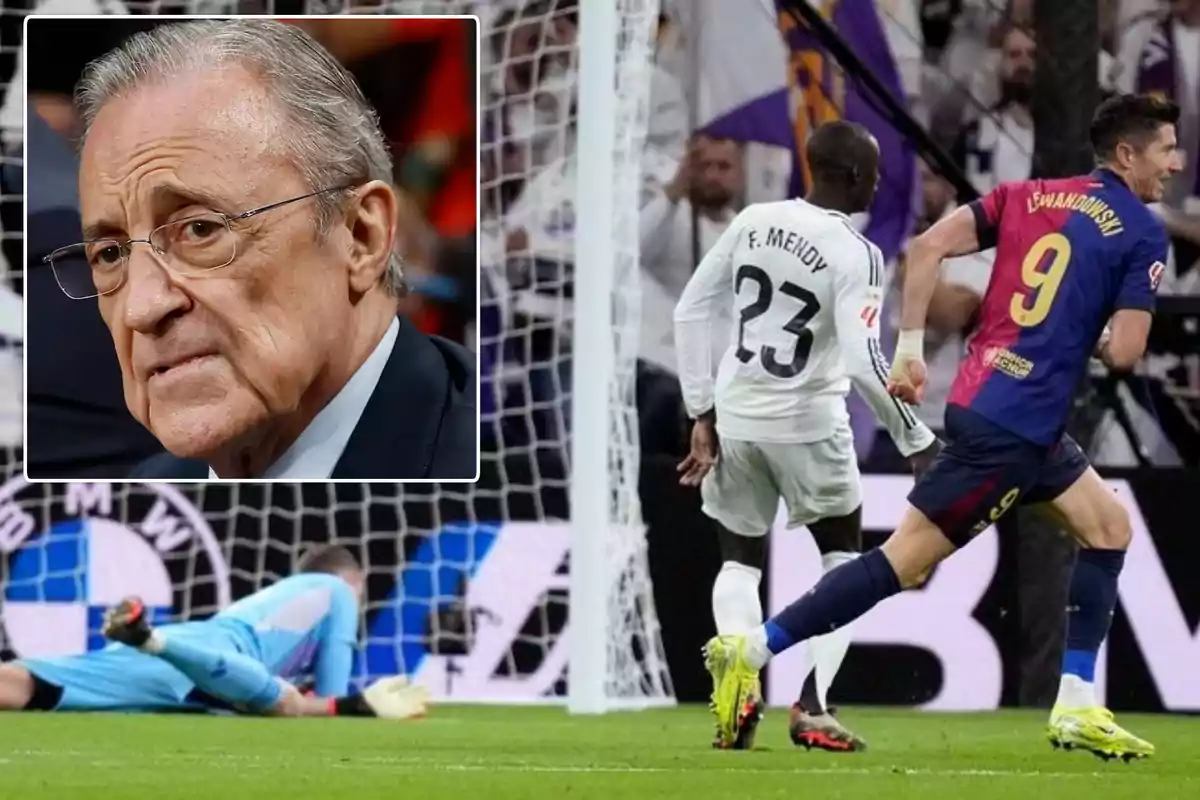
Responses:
[797,326]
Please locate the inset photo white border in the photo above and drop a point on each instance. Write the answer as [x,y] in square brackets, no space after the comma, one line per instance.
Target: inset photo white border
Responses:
[478,64]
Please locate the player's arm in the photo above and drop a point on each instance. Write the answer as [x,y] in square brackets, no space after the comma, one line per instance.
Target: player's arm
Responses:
[335,656]
[1129,328]
[697,307]
[958,293]
[968,229]
[1128,332]
[391,697]
[858,306]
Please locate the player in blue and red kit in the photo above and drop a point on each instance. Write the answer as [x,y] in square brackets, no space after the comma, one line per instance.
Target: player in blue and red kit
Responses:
[1077,265]
[243,659]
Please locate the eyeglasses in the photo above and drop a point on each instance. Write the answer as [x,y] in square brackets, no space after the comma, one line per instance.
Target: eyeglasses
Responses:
[189,246]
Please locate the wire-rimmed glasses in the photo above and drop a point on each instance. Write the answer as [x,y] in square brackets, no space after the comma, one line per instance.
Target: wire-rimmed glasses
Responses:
[195,244]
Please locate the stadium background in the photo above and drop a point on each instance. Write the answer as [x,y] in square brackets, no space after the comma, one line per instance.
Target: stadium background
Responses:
[69,548]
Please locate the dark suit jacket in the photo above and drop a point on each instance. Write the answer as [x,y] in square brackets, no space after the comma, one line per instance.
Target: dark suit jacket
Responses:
[77,425]
[421,420]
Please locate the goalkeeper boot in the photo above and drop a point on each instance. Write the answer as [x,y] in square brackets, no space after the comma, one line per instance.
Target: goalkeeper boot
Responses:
[1094,730]
[396,698]
[127,622]
[737,696]
[823,731]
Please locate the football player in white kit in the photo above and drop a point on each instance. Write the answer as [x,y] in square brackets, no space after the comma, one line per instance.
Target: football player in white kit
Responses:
[807,290]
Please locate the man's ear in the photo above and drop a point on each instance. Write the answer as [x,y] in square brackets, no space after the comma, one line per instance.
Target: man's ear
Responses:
[1124,154]
[371,219]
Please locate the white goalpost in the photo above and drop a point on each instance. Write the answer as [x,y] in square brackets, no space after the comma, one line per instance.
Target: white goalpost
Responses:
[593,376]
[532,586]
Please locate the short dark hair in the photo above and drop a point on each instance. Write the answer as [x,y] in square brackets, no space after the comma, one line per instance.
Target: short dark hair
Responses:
[1010,26]
[842,152]
[1130,118]
[328,558]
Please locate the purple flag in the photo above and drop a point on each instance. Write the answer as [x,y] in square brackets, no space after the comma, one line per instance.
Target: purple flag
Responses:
[829,93]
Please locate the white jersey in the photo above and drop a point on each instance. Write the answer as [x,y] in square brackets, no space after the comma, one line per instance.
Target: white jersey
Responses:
[807,293]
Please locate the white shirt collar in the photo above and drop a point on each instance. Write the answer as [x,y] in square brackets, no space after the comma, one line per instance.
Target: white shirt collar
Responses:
[315,453]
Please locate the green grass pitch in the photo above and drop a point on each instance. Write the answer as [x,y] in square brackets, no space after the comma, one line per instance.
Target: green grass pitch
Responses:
[490,753]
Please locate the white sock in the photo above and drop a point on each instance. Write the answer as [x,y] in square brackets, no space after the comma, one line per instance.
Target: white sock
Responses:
[757,652]
[735,604]
[829,651]
[1075,693]
[155,644]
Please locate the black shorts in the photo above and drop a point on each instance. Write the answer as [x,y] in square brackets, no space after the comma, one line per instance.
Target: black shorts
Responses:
[46,695]
[985,470]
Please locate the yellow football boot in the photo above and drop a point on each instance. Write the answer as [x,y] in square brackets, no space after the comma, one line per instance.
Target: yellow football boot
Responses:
[1094,730]
[737,695]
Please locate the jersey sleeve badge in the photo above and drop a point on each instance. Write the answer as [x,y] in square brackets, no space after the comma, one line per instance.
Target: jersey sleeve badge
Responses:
[1156,272]
[869,314]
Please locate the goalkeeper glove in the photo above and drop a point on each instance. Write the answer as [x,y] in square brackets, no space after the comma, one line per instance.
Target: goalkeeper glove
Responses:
[388,698]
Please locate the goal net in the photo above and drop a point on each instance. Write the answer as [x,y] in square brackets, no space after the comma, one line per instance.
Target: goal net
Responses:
[468,584]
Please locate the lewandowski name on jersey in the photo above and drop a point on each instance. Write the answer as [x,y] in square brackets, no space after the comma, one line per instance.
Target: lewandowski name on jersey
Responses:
[1069,253]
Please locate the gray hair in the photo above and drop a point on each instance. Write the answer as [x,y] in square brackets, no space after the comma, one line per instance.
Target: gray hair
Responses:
[331,133]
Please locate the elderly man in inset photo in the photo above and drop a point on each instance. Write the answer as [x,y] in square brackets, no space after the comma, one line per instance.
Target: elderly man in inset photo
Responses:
[239,225]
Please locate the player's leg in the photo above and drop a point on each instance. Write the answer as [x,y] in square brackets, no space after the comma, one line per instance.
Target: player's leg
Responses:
[740,495]
[16,687]
[112,679]
[1077,499]
[199,652]
[812,722]
[736,605]
[208,655]
[822,487]
[840,597]
[975,480]
[846,593]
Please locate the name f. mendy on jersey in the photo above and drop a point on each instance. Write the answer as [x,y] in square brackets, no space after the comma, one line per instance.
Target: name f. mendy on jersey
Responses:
[806,290]
[74,549]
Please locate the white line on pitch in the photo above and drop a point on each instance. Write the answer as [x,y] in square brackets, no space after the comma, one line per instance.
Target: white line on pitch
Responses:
[418,764]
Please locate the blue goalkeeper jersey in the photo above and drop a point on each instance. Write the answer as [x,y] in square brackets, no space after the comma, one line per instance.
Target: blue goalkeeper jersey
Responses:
[305,624]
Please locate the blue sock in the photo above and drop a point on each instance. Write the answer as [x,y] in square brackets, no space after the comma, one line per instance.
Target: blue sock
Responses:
[839,598]
[1090,604]
[226,675]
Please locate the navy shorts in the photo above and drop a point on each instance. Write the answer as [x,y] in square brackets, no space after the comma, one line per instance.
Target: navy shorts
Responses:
[985,470]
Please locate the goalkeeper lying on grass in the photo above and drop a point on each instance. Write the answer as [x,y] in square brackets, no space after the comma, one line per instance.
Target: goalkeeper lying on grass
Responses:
[239,660]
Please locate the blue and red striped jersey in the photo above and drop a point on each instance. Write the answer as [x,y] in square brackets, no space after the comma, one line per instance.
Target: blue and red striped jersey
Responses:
[1069,253]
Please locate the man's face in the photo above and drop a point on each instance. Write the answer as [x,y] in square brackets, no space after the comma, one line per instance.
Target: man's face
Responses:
[1150,167]
[868,183]
[1017,57]
[532,47]
[718,172]
[205,358]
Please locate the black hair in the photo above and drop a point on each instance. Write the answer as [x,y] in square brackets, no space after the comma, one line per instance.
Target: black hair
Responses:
[1130,118]
[842,153]
[329,558]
